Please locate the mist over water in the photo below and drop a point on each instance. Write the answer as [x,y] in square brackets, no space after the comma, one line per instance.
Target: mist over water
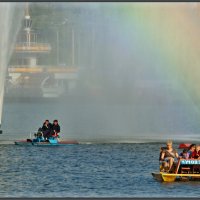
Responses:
[125,91]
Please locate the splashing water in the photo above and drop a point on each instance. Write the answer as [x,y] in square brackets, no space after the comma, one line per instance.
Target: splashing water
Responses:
[8,15]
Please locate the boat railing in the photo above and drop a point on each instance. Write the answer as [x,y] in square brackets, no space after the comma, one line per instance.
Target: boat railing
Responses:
[33,46]
[191,162]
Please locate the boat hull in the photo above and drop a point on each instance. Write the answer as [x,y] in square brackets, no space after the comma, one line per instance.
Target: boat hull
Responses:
[167,177]
[60,143]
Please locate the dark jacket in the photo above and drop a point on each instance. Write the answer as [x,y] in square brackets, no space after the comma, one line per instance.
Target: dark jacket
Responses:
[56,128]
[44,128]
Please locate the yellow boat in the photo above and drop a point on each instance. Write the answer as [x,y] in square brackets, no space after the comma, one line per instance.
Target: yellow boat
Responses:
[186,170]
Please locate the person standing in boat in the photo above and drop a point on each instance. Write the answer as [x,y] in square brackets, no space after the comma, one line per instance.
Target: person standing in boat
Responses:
[55,128]
[168,155]
[46,129]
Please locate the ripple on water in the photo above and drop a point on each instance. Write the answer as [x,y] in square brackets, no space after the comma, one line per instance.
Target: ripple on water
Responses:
[95,170]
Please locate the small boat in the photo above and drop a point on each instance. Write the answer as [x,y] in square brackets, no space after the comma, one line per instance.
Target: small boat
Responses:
[185,170]
[40,141]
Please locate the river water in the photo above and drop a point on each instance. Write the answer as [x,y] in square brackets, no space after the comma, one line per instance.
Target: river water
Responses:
[101,166]
[97,121]
[86,170]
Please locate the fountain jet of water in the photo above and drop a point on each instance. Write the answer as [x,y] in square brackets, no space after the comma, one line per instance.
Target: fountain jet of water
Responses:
[7,37]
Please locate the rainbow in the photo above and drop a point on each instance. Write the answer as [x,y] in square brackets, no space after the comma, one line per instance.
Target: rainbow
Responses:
[167,36]
[161,44]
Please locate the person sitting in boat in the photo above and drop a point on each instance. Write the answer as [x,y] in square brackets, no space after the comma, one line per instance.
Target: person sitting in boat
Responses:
[38,137]
[184,154]
[55,128]
[191,150]
[167,157]
[196,153]
[46,129]
[161,162]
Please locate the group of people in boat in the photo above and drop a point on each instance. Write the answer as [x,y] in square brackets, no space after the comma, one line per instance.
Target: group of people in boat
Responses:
[168,155]
[50,129]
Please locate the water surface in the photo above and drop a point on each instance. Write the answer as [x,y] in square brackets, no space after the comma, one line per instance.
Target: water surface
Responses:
[86,170]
